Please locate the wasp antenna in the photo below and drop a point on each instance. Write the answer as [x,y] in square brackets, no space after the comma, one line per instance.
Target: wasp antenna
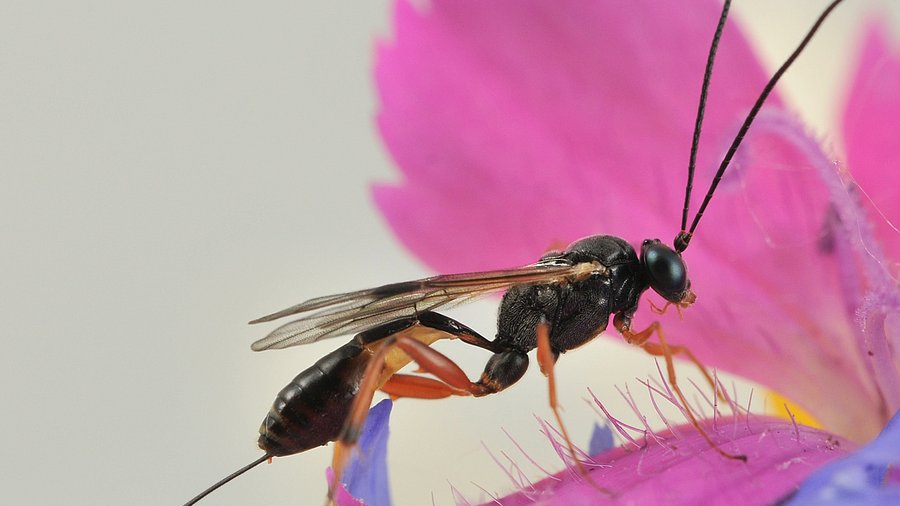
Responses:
[228,478]
[701,109]
[684,237]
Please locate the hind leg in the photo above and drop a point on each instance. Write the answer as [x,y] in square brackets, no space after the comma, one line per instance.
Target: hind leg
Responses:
[503,369]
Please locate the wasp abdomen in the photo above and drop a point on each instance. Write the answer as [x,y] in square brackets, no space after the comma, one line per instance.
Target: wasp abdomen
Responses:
[310,411]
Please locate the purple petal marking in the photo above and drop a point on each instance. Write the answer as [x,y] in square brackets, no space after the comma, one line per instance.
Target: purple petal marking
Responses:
[870,291]
[365,479]
[366,476]
[686,471]
[869,476]
[601,439]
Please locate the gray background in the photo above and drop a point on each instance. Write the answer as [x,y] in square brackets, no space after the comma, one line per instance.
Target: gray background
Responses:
[171,170]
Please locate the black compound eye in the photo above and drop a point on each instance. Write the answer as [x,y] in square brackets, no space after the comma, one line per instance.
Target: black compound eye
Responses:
[665,270]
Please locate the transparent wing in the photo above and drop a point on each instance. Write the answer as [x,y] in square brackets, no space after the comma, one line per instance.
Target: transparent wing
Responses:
[346,313]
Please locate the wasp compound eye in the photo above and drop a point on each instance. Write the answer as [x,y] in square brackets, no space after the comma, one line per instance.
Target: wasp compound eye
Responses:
[665,269]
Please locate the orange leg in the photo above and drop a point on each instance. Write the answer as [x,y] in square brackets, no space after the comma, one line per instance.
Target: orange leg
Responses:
[662,349]
[640,339]
[659,310]
[662,310]
[451,381]
[357,417]
[418,387]
[547,361]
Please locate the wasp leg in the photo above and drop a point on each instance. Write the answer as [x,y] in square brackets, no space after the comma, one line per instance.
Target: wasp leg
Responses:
[547,362]
[403,385]
[640,339]
[357,417]
[418,387]
[667,352]
[659,310]
[462,332]
[431,320]
[503,369]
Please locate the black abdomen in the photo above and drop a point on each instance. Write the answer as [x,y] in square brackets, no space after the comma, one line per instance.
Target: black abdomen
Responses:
[310,411]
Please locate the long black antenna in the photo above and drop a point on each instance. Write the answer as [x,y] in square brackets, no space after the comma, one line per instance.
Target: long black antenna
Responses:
[684,237]
[228,478]
[701,109]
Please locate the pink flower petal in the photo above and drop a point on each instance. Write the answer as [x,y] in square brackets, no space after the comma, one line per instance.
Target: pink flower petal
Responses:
[676,470]
[341,496]
[520,124]
[872,137]
[518,128]
[778,267]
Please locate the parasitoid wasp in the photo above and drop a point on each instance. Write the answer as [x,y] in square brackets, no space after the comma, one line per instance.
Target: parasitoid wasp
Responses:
[557,304]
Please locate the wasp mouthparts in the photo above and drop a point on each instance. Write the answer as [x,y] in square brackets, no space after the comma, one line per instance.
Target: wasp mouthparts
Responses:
[689,298]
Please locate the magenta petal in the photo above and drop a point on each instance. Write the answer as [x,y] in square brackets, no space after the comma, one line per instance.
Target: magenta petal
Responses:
[522,124]
[872,137]
[685,470]
[341,496]
[782,271]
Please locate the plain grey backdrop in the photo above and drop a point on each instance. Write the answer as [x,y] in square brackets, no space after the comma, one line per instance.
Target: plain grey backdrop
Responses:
[171,170]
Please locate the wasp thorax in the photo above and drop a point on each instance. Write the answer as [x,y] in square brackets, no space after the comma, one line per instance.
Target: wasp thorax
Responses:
[666,272]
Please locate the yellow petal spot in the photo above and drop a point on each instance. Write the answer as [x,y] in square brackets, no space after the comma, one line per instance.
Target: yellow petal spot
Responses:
[779,406]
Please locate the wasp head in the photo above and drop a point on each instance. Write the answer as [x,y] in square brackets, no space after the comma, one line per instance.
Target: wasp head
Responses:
[666,272]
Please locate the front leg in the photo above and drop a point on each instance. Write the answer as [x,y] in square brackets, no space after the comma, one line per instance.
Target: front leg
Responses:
[662,349]
[623,325]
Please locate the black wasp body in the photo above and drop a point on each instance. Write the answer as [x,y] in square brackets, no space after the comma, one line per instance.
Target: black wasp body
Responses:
[577,311]
[575,293]
[557,304]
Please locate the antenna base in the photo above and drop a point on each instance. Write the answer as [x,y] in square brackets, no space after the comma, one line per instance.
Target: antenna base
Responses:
[682,240]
